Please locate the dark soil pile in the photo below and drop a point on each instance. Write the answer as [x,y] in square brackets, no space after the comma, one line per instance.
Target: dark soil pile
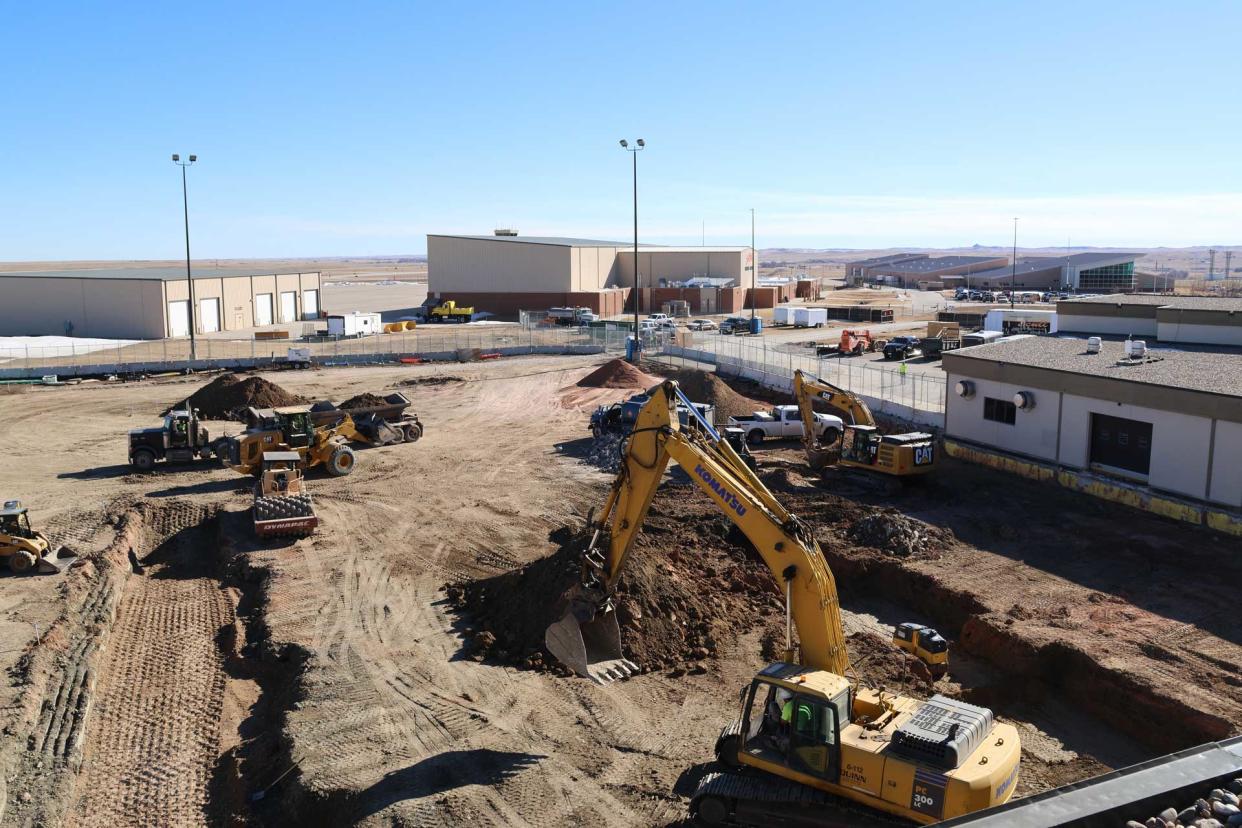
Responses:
[691,586]
[618,374]
[228,396]
[439,379]
[704,387]
[367,400]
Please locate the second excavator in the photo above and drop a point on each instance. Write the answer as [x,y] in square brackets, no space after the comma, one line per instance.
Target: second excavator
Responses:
[805,730]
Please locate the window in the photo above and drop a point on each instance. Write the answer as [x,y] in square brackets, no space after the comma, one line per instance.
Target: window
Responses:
[999,411]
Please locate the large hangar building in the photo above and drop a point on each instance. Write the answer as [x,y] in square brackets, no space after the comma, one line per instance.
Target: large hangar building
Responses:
[151,302]
[506,273]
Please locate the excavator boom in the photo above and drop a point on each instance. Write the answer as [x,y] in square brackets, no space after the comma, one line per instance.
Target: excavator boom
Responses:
[587,639]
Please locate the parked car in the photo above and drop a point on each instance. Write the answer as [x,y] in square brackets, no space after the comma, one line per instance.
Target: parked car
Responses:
[786,421]
[702,325]
[659,317]
[962,295]
[735,325]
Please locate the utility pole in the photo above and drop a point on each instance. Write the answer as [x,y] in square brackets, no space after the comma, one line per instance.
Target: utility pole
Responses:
[634,152]
[189,278]
[1211,265]
[754,270]
[1013,274]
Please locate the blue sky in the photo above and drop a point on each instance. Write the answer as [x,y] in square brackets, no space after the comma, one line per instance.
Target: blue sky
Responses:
[338,129]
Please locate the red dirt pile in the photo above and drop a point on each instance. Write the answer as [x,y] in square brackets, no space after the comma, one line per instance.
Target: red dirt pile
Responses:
[691,586]
[367,400]
[228,396]
[618,374]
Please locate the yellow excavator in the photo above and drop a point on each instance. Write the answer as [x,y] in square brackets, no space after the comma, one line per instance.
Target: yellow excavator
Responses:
[806,732]
[862,445]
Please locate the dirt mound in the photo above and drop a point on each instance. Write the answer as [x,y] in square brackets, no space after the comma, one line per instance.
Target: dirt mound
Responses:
[367,400]
[618,374]
[890,531]
[703,387]
[690,587]
[228,396]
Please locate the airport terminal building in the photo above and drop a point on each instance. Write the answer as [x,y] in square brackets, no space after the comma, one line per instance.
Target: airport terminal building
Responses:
[1083,272]
[151,302]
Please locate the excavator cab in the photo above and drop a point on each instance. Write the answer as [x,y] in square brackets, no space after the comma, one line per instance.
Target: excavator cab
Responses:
[297,427]
[792,720]
[861,444]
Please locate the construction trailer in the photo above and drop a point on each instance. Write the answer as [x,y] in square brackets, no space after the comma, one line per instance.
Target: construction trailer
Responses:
[810,318]
[346,325]
[783,315]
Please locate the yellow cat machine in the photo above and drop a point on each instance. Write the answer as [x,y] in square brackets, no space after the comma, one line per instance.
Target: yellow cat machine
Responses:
[289,429]
[862,445]
[26,550]
[282,505]
[925,643]
[806,733]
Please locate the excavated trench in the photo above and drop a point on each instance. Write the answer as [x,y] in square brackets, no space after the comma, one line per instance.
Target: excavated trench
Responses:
[157,701]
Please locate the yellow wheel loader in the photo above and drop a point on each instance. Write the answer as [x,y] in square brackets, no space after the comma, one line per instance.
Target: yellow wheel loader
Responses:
[862,445]
[290,429]
[805,730]
[23,549]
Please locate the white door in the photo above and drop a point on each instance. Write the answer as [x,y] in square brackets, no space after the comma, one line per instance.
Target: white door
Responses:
[179,318]
[310,304]
[209,315]
[288,306]
[263,309]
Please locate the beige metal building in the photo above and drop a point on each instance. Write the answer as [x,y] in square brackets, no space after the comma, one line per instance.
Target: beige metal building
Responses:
[151,302]
[1171,420]
[1203,320]
[505,274]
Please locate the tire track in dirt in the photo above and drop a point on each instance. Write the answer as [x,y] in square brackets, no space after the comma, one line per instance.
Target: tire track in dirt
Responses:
[155,731]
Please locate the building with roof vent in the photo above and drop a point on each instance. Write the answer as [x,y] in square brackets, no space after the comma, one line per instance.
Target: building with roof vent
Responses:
[1202,320]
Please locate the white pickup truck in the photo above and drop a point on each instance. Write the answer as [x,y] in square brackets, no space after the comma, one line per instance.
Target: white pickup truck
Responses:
[784,421]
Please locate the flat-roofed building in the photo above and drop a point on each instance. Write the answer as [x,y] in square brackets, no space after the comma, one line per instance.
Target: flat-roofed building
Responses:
[151,302]
[507,273]
[915,270]
[1204,320]
[1170,420]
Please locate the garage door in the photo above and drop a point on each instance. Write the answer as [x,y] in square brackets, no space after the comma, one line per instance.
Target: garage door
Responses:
[288,306]
[1118,443]
[310,304]
[209,315]
[263,309]
[179,318]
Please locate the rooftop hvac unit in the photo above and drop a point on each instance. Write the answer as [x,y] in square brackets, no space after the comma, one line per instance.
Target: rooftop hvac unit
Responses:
[505,231]
[1135,349]
[1093,344]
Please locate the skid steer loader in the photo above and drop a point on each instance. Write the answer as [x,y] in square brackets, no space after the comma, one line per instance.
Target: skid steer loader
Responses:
[24,549]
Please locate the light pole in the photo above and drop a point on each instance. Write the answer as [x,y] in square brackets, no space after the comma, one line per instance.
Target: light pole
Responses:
[189,279]
[754,271]
[1013,274]
[633,151]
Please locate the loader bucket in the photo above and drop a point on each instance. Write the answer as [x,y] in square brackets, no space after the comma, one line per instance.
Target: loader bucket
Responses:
[55,563]
[590,648]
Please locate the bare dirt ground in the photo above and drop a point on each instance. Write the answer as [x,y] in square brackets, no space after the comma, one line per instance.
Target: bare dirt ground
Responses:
[187,667]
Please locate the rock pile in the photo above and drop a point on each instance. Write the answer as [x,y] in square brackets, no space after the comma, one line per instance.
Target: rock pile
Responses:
[1220,808]
[605,451]
[890,531]
[228,396]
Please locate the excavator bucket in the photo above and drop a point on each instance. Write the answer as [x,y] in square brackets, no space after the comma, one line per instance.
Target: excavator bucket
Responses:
[59,561]
[591,648]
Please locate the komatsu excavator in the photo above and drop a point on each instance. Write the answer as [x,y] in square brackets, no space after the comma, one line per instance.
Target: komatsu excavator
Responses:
[862,444]
[805,732]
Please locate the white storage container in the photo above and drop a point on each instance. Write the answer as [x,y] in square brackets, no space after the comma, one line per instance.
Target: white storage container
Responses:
[354,324]
[810,317]
[784,315]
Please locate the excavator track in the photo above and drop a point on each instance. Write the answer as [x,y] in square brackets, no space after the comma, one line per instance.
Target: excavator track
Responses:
[735,797]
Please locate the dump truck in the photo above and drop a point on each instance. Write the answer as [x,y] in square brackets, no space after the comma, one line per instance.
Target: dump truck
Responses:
[181,438]
[388,422]
[448,311]
[282,506]
[941,337]
[27,550]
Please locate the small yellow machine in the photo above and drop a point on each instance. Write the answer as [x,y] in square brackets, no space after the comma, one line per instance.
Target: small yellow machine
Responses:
[862,445]
[282,506]
[924,642]
[24,549]
[805,730]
